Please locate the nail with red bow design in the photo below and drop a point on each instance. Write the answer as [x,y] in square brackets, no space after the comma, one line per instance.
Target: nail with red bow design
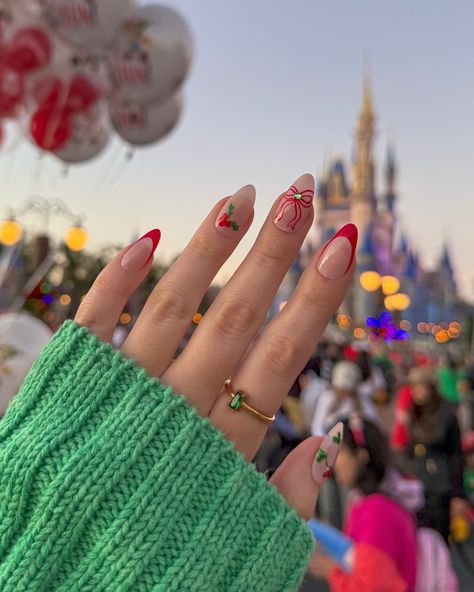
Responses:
[325,458]
[295,205]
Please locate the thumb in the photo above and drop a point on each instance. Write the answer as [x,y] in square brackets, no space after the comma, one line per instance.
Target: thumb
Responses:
[304,470]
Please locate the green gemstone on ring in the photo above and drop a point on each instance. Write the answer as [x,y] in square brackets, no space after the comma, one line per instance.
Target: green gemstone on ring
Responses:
[236,401]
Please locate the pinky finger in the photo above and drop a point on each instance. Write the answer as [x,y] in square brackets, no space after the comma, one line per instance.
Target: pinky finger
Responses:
[103,304]
[303,472]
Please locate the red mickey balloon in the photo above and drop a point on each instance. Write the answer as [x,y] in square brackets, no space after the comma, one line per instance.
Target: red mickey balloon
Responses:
[11,90]
[50,127]
[30,49]
[82,95]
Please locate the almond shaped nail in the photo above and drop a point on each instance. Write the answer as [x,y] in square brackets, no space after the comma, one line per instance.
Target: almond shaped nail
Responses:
[295,205]
[141,251]
[338,255]
[325,457]
[236,211]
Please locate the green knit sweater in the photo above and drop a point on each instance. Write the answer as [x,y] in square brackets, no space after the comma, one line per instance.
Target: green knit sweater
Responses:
[111,482]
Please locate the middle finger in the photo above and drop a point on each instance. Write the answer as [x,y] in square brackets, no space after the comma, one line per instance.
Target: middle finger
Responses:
[228,328]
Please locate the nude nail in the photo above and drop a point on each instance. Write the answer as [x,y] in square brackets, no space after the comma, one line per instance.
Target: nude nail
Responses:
[325,457]
[236,211]
[141,251]
[295,205]
[338,255]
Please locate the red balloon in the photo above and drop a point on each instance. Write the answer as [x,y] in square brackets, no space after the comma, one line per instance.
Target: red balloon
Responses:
[30,49]
[82,95]
[50,127]
[11,90]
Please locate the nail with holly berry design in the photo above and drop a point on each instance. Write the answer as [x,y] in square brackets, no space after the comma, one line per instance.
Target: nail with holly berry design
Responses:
[325,457]
[236,211]
[295,205]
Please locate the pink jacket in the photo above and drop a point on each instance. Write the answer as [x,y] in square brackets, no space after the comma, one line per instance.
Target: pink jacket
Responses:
[381,523]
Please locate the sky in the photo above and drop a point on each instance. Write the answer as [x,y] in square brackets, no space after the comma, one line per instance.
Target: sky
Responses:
[275,88]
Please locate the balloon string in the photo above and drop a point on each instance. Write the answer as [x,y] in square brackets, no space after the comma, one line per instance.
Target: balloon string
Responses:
[128,158]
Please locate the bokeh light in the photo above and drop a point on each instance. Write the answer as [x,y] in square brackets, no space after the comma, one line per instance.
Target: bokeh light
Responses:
[370,281]
[76,238]
[390,284]
[11,232]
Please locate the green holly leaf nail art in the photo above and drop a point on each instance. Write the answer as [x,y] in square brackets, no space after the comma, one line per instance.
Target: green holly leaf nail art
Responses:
[337,438]
[321,455]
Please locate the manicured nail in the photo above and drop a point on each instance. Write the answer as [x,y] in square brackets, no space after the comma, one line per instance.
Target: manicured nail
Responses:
[338,254]
[295,205]
[325,458]
[236,211]
[141,251]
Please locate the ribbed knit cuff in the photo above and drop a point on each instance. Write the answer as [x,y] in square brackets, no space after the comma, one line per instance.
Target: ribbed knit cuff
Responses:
[111,482]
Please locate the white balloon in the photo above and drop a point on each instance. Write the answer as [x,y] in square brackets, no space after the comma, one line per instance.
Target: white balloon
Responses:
[87,23]
[22,337]
[140,125]
[89,138]
[152,56]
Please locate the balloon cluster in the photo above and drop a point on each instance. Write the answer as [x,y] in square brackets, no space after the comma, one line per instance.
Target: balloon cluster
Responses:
[71,71]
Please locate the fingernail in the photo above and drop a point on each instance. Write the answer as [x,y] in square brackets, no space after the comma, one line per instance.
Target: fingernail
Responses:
[295,205]
[141,251]
[338,254]
[325,457]
[236,211]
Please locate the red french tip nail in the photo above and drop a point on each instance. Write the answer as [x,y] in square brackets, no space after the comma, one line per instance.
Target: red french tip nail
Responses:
[350,232]
[155,236]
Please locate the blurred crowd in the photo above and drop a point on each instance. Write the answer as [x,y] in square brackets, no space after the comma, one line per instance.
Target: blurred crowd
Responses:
[410,433]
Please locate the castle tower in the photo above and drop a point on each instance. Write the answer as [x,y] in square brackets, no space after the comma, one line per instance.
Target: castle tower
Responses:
[390,179]
[363,190]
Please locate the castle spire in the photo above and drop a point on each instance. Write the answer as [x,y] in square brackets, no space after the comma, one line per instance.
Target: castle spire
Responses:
[363,168]
[366,116]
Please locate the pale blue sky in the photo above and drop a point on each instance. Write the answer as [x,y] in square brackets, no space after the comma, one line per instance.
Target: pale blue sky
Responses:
[275,86]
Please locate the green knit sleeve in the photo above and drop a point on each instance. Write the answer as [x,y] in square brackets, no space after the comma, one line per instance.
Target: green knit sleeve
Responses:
[110,482]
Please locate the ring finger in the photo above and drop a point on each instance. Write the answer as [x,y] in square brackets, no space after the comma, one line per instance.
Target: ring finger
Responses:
[269,369]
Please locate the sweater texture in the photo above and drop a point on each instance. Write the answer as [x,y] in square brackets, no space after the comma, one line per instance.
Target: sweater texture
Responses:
[110,482]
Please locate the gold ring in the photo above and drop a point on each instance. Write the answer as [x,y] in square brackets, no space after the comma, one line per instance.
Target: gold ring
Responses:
[238,401]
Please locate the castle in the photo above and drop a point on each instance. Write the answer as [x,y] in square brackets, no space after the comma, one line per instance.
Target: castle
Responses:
[382,246]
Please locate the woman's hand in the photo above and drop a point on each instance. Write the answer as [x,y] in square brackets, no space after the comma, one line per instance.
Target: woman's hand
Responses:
[321,565]
[225,344]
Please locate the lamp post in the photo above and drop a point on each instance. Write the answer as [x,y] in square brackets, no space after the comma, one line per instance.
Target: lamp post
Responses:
[11,232]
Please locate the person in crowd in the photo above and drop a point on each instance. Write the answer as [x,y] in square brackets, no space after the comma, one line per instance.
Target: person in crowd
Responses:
[342,398]
[311,386]
[373,386]
[380,516]
[468,450]
[131,470]
[465,410]
[433,452]
[449,374]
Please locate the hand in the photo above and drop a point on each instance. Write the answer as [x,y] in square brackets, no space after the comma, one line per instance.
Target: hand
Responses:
[321,565]
[221,345]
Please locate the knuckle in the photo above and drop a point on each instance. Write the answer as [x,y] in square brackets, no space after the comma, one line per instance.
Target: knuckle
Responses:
[202,246]
[316,300]
[169,304]
[235,317]
[281,354]
[271,254]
